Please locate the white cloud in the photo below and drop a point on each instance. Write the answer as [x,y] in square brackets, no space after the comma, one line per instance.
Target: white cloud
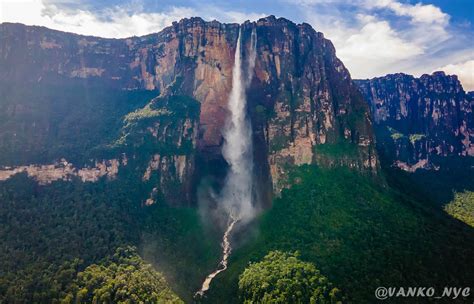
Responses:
[116,22]
[419,13]
[374,47]
[368,45]
[465,72]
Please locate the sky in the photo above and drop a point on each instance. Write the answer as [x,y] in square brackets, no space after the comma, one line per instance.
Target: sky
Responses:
[372,37]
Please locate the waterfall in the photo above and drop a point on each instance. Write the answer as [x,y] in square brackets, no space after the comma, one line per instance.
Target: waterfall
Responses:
[236,195]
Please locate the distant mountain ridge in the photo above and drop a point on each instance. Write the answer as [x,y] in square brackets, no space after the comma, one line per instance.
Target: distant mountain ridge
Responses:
[420,120]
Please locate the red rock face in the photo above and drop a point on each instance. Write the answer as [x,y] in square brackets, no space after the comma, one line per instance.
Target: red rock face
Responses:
[195,58]
[214,50]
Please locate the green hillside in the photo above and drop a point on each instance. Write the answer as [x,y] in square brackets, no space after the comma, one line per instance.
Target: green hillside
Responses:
[360,234]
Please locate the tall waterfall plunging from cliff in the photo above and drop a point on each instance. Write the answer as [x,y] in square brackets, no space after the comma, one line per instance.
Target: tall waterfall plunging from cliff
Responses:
[236,195]
[237,192]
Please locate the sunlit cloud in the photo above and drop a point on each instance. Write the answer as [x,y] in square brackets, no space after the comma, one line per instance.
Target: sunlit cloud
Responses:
[465,72]
[358,49]
[114,22]
[419,13]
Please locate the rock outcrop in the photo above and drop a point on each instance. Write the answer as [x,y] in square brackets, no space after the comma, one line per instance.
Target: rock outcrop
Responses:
[65,171]
[421,120]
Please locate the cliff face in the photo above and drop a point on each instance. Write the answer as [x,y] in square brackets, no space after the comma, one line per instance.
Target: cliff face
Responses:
[302,102]
[303,98]
[421,119]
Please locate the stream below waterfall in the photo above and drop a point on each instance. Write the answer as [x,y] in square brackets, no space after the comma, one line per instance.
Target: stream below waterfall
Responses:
[226,250]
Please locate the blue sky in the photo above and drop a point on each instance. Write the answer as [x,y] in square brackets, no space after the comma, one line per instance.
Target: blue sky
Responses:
[372,37]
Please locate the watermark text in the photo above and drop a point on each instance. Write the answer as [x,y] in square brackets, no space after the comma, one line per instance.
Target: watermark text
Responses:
[384,293]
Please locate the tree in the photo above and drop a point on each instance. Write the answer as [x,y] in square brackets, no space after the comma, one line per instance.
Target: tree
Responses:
[122,278]
[282,278]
